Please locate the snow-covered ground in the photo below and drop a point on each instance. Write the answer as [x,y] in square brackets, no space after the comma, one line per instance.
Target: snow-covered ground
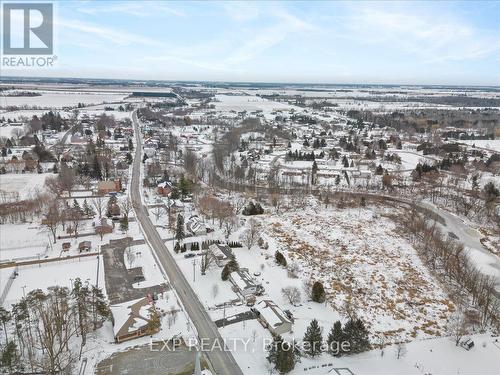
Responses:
[59,99]
[26,184]
[45,275]
[489,144]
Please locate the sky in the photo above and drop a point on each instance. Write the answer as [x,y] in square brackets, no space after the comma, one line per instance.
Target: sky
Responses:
[456,43]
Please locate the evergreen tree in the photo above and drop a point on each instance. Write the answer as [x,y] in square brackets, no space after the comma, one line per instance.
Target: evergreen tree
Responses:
[313,339]
[124,224]
[184,186]
[280,258]
[9,356]
[177,247]
[231,266]
[272,349]
[335,339]
[76,205]
[356,333]
[179,230]
[283,355]
[5,317]
[363,202]
[318,292]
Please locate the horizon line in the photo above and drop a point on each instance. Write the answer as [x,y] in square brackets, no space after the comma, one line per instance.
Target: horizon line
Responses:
[7,77]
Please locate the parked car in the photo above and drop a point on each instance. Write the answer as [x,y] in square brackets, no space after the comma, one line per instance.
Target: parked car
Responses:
[189,255]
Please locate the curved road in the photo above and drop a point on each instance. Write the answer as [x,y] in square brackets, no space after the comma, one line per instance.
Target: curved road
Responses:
[222,361]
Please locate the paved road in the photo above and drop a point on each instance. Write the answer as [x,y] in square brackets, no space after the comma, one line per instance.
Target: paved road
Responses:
[222,361]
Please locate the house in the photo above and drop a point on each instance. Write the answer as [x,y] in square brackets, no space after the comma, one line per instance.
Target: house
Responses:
[195,226]
[106,187]
[221,253]
[66,246]
[245,284]
[134,319]
[273,318]
[83,246]
[164,188]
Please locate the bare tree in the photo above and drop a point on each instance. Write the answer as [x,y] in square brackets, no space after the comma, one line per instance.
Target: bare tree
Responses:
[207,260]
[159,212]
[75,216]
[67,178]
[172,316]
[190,163]
[99,205]
[17,133]
[252,234]
[53,184]
[457,326]
[125,207]
[400,350]
[292,294]
[52,219]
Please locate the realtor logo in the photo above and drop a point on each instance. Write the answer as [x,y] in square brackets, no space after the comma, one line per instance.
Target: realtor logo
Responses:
[27,29]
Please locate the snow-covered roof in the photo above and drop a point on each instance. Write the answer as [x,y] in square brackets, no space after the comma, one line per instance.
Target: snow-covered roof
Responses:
[272,314]
[242,279]
[130,316]
[220,251]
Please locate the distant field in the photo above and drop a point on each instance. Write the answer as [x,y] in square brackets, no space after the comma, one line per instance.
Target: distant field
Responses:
[485,143]
[57,100]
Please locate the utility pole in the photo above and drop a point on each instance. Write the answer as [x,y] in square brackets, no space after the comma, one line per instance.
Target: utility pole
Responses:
[194,270]
[97,276]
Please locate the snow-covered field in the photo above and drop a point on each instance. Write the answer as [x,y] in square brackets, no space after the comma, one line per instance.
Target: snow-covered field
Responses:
[23,241]
[485,143]
[26,184]
[58,99]
[250,103]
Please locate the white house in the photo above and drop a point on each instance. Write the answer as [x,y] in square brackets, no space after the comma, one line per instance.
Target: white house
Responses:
[273,318]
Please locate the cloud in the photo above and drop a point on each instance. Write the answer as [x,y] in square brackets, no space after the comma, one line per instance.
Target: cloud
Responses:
[264,38]
[137,9]
[116,36]
[434,39]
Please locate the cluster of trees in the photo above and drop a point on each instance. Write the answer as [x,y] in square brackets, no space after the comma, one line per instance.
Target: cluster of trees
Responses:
[15,210]
[352,338]
[448,260]
[216,209]
[298,155]
[41,330]
[317,143]
[252,209]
